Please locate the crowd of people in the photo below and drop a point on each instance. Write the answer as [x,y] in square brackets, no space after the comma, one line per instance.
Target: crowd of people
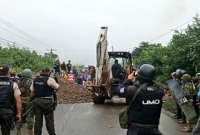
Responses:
[185,90]
[24,100]
[146,100]
[84,76]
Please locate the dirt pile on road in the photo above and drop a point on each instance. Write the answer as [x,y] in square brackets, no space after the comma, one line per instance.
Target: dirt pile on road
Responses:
[72,93]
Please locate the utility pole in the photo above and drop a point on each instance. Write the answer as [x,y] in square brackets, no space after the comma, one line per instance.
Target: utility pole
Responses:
[112,48]
[51,53]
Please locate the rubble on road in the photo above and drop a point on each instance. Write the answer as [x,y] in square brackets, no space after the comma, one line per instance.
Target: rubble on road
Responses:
[70,93]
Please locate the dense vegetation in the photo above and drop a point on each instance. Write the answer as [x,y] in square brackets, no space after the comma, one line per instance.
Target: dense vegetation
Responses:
[181,52]
[20,59]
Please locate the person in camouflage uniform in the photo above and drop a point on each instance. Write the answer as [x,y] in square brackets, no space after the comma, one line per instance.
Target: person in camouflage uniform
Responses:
[189,92]
[27,115]
[188,86]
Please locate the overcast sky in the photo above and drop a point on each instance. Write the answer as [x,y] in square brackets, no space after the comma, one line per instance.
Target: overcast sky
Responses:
[72,26]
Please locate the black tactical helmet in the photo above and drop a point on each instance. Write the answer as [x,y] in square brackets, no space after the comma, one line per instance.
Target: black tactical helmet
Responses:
[180,73]
[146,72]
[4,69]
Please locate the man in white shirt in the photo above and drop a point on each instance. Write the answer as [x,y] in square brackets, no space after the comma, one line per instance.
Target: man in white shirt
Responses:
[10,101]
[43,104]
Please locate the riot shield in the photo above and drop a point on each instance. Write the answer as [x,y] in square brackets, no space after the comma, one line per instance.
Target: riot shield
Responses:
[184,103]
[176,89]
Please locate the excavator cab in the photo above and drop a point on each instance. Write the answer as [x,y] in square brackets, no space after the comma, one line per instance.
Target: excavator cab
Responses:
[124,60]
[122,71]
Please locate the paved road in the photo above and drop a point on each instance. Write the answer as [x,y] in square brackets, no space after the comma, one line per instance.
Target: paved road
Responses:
[89,119]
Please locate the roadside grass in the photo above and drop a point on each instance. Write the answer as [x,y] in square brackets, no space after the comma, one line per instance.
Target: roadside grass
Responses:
[169,104]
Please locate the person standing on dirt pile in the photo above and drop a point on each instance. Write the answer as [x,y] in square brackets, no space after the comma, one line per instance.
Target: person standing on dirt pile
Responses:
[10,101]
[145,110]
[84,76]
[91,76]
[57,67]
[69,66]
[63,68]
[79,78]
[27,113]
[75,72]
[116,70]
[71,77]
[42,89]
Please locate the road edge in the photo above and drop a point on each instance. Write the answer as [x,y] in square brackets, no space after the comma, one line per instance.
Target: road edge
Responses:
[168,113]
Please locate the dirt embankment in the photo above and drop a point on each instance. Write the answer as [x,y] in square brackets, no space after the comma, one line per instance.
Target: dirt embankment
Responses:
[72,93]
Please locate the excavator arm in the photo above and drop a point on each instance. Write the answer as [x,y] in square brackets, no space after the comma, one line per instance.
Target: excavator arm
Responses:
[102,57]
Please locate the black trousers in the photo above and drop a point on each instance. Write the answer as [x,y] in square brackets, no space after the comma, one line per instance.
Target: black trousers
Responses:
[178,111]
[143,131]
[196,107]
[48,113]
[5,124]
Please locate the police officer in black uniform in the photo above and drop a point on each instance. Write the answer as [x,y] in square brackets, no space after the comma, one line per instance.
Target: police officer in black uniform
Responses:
[43,104]
[10,101]
[145,110]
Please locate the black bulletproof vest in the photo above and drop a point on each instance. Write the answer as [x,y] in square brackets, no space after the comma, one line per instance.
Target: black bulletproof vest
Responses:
[6,93]
[41,88]
[147,106]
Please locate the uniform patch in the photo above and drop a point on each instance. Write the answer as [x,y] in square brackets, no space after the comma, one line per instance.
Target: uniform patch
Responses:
[151,102]
[150,89]
[39,83]
[5,83]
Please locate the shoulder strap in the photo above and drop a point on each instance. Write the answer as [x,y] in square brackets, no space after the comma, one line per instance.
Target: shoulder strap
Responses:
[12,97]
[12,91]
[136,93]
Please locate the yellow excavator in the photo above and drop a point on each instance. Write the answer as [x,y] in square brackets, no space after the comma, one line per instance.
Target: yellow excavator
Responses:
[106,85]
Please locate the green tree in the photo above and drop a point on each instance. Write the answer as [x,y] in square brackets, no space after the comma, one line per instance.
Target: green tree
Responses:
[181,52]
[20,59]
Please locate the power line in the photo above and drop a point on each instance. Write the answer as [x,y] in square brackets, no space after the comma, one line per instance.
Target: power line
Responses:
[21,35]
[14,43]
[10,25]
[172,30]
[15,34]
[3,39]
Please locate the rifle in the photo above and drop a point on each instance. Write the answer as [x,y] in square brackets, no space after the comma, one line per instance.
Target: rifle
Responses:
[24,116]
[55,99]
[30,109]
